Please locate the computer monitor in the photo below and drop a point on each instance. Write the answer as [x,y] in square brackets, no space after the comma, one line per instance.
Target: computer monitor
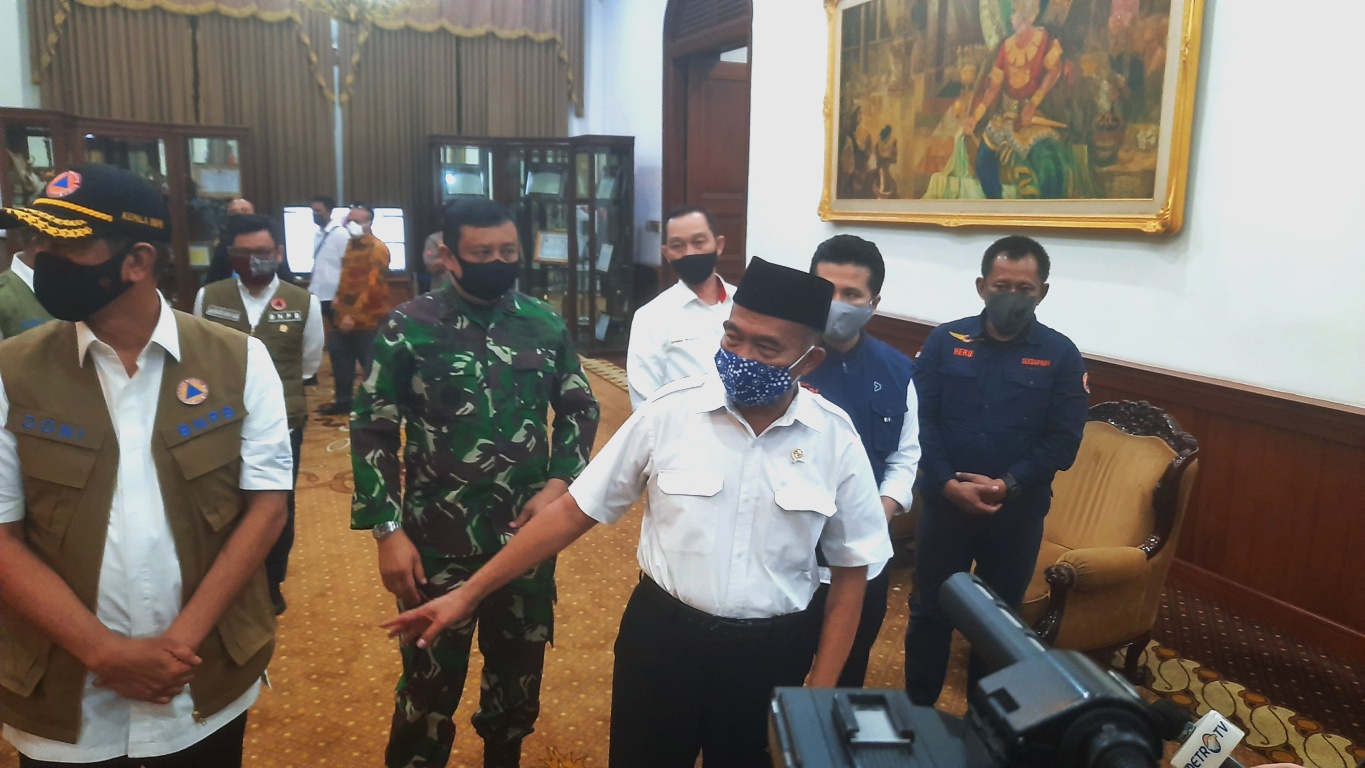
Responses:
[389,226]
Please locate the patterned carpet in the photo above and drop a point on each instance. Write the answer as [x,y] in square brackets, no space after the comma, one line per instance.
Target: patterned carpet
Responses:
[334,670]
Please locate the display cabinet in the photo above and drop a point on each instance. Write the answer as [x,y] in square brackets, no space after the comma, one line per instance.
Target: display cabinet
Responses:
[573,202]
[198,168]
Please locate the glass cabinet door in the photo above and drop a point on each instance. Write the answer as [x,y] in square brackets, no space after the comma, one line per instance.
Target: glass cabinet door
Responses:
[464,171]
[543,220]
[31,158]
[605,258]
[215,179]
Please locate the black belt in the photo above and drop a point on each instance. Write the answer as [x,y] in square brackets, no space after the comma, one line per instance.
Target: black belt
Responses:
[740,630]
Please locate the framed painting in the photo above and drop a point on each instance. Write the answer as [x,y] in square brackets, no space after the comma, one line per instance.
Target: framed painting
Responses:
[1010,113]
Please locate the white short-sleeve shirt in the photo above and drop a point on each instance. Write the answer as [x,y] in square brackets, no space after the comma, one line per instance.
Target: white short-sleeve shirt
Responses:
[732,519]
[139,586]
[674,336]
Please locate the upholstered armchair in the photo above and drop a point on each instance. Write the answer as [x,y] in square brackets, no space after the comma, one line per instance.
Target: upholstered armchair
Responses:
[1110,537]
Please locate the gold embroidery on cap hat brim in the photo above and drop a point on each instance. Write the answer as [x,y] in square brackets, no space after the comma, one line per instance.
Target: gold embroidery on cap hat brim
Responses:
[50,225]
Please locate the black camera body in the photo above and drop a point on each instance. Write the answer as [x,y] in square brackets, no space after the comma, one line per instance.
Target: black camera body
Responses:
[1037,708]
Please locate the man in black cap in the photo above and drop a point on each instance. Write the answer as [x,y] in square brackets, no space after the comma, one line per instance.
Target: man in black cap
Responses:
[744,474]
[144,464]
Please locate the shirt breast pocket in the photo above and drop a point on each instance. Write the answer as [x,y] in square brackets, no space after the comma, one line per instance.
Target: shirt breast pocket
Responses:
[685,511]
[55,476]
[449,388]
[532,377]
[690,356]
[800,514]
[1028,393]
[960,396]
[210,460]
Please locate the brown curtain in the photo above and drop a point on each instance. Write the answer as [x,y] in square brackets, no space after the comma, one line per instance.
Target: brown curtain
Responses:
[559,22]
[407,88]
[259,75]
[511,88]
[117,63]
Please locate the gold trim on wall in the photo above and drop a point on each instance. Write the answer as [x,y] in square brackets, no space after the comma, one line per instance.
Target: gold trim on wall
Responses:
[1145,217]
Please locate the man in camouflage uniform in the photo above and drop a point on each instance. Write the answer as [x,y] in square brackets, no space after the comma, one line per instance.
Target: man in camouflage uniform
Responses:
[469,371]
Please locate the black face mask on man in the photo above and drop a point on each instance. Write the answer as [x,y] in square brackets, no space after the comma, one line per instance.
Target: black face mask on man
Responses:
[1010,312]
[73,292]
[489,280]
[695,268]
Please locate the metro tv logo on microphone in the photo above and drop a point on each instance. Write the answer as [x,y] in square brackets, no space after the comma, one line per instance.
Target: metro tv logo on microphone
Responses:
[1211,743]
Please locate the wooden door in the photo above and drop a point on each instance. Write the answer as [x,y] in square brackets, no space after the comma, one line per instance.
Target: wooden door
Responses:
[716,171]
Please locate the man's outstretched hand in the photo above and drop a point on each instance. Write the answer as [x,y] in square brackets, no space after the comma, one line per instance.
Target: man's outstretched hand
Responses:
[423,623]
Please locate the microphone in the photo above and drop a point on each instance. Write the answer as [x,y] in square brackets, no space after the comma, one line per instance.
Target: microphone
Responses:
[1207,743]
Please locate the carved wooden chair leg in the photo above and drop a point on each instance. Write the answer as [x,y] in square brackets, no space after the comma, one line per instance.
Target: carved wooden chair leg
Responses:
[1132,656]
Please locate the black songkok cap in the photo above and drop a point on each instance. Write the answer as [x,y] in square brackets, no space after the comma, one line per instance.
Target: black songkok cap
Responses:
[785,293]
[96,201]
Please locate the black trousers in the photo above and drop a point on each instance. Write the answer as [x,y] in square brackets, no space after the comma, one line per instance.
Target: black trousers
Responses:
[1004,548]
[683,686]
[277,560]
[348,349]
[854,673]
[221,749]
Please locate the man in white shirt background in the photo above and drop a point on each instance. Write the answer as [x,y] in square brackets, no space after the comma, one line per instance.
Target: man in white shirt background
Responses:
[144,465]
[675,335]
[329,244]
[288,320]
[744,475]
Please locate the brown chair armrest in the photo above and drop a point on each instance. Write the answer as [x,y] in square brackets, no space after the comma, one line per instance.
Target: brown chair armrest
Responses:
[1100,567]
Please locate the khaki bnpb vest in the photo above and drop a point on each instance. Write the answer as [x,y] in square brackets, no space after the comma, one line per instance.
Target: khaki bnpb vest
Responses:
[19,309]
[280,329]
[69,455]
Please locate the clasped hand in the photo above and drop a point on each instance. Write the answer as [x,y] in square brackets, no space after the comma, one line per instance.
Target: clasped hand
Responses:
[151,669]
[975,494]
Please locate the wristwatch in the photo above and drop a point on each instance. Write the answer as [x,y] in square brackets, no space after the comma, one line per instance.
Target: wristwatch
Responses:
[384,530]
[1012,486]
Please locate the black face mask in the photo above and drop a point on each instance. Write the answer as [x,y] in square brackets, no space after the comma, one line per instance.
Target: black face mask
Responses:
[1010,312]
[74,292]
[320,220]
[695,268]
[489,280]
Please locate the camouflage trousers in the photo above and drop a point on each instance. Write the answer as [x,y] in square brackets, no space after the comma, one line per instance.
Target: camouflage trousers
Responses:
[513,625]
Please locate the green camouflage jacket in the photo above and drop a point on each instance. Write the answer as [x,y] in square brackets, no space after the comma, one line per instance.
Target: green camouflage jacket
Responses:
[470,385]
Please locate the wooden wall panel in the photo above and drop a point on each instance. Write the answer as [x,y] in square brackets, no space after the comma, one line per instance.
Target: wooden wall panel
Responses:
[1277,523]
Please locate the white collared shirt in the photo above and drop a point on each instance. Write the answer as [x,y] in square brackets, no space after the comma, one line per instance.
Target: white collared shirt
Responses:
[732,519]
[329,245]
[674,336]
[139,586]
[24,271]
[255,307]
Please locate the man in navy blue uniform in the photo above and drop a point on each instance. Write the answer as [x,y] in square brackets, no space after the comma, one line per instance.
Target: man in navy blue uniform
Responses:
[871,381]
[1002,406]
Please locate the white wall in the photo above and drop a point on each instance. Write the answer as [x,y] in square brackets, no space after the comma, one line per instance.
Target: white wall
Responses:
[624,96]
[16,86]
[1265,285]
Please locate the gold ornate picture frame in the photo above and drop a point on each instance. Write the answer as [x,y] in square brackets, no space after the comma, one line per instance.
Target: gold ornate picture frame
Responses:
[1011,113]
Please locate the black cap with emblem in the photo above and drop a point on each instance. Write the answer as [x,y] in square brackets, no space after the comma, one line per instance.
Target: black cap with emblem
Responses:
[96,201]
[785,293]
